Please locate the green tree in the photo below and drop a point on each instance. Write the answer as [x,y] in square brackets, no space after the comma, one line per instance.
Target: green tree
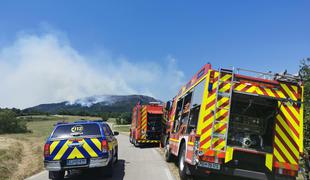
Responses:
[10,124]
[305,73]
[124,118]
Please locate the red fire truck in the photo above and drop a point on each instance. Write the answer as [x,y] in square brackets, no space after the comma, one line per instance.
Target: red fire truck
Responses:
[146,126]
[229,121]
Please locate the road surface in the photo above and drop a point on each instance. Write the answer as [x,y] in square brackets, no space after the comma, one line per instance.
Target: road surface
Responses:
[134,164]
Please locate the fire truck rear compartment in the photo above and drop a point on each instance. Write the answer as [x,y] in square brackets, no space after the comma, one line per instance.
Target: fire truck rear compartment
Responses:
[154,126]
[252,121]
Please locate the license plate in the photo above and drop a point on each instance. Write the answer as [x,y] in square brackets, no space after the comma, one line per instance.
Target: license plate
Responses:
[74,162]
[210,165]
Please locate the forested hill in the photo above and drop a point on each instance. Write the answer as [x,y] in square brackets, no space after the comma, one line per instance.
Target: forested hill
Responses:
[93,105]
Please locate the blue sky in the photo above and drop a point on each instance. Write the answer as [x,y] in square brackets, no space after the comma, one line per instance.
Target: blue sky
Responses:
[262,35]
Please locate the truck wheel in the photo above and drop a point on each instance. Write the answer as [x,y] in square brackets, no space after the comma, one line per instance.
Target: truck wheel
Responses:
[136,144]
[168,155]
[183,166]
[56,175]
[130,139]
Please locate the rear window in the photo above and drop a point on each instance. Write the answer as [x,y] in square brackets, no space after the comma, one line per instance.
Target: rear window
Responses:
[76,130]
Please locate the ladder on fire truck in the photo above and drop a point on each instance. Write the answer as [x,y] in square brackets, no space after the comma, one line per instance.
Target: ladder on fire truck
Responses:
[216,122]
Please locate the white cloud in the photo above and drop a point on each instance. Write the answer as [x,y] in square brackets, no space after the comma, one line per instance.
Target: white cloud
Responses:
[45,68]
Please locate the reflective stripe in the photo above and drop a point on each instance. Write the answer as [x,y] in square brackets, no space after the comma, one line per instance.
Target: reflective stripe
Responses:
[87,148]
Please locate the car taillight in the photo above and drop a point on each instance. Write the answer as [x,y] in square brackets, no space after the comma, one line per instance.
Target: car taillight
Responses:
[104,146]
[46,150]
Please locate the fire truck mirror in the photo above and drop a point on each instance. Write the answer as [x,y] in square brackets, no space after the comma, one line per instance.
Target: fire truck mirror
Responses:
[168,105]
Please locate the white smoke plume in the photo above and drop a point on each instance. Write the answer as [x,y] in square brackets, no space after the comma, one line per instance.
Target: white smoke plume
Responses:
[37,69]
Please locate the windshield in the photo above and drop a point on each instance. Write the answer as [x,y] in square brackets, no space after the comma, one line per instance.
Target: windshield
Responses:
[76,130]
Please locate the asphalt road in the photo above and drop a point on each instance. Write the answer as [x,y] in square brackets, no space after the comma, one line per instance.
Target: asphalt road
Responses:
[134,164]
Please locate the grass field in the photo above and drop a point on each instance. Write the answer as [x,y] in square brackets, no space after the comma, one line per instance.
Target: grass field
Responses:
[21,155]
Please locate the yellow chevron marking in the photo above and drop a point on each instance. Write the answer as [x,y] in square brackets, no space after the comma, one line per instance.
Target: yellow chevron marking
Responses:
[240,87]
[220,113]
[251,89]
[229,154]
[211,98]
[287,141]
[226,77]
[287,90]
[295,89]
[258,91]
[288,116]
[225,88]
[222,101]
[268,161]
[75,154]
[287,154]
[287,128]
[53,146]
[203,112]
[280,93]
[269,92]
[220,146]
[278,156]
[218,126]
[96,142]
[89,150]
[296,114]
[62,150]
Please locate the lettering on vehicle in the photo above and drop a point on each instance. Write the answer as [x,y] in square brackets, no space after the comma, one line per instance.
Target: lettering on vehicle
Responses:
[77,129]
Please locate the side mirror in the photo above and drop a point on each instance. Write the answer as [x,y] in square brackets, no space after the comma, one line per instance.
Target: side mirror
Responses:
[168,105]
[116,133]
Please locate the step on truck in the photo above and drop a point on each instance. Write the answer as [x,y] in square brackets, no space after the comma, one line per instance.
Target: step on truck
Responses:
[146,126]
[229,121]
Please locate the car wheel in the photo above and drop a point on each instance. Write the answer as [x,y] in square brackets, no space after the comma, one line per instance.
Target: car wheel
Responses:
[183,166]
[167,151]
[116,157]
[56,175]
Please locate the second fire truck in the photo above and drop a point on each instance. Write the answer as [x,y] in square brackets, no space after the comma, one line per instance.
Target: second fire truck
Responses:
[228,122]
[146,126]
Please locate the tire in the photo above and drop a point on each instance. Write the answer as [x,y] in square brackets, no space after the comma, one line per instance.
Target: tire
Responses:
[56,175]
[184,171]
[130,139]
[168,155]
[116,156]
[135,143]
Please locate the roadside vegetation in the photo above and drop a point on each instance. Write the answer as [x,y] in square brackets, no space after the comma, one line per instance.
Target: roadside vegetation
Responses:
[305,73]
[10,123]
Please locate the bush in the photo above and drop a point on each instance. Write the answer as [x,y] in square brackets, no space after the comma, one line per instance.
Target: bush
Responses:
[10,124]
[124,118]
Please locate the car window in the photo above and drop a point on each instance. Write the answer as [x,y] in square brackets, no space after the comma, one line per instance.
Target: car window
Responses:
[107,130]
[76,130]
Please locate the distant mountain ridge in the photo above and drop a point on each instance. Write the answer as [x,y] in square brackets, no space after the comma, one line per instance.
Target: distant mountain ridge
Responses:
[94,104]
